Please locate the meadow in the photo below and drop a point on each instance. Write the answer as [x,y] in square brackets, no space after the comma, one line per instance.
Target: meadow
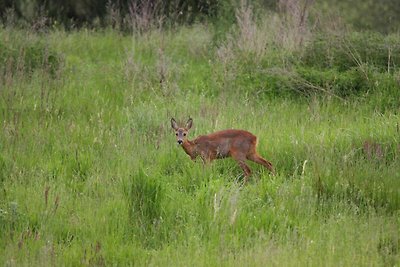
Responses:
[90,173]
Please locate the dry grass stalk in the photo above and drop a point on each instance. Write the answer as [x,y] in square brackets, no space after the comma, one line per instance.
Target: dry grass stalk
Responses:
[252,37]
[145,15]
[295,13]
[113,15]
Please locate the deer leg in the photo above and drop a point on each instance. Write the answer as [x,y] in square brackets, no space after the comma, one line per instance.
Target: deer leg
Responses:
[244,166]
[260,160]
[206,159]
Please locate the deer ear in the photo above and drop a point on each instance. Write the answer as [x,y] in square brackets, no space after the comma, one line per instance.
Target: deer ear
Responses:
[189,123]
[174,125]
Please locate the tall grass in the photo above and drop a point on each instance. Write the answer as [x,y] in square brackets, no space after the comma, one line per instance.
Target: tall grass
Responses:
[90,173]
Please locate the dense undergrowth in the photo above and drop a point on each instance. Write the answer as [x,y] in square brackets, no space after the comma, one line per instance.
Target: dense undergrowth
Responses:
[90,173]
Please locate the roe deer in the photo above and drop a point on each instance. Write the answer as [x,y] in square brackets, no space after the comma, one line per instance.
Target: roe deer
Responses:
[238,144]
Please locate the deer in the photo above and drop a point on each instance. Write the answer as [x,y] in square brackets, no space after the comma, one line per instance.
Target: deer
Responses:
[239,144]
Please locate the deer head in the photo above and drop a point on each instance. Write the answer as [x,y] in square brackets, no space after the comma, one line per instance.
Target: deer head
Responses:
[181,132]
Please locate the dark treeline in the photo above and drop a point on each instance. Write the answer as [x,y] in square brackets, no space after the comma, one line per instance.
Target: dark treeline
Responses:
[382,16]
[77,13]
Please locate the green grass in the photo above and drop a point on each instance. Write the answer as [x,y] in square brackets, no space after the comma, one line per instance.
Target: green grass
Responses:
[90,173]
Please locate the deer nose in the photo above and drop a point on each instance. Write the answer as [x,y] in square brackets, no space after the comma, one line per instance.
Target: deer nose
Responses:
[180,142]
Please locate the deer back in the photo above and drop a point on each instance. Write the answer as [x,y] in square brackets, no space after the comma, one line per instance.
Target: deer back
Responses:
[225,143]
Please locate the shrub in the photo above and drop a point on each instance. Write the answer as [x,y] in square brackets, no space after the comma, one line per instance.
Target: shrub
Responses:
[305,80]
[345,83]
[357,48]
[385,93]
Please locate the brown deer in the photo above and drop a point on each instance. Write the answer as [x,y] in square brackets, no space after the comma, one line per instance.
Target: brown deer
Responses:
[238,144]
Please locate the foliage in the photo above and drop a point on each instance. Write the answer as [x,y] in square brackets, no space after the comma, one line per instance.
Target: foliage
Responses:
[138,15]
[25,53]
[381,16]
[106,13]
[352,50]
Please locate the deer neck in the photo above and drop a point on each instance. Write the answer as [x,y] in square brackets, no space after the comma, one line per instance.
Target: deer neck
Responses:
[190,148]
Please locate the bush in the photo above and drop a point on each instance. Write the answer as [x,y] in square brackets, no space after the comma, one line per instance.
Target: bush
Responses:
[305,80]
[385,93]
[347,52]
[345,83]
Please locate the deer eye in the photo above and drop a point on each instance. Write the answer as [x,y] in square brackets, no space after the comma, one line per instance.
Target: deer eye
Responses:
[176,134]
[184,134]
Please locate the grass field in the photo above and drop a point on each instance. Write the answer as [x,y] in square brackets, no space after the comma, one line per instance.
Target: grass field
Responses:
[90,173]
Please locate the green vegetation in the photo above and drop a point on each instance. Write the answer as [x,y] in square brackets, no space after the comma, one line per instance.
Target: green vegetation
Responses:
[90,173]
